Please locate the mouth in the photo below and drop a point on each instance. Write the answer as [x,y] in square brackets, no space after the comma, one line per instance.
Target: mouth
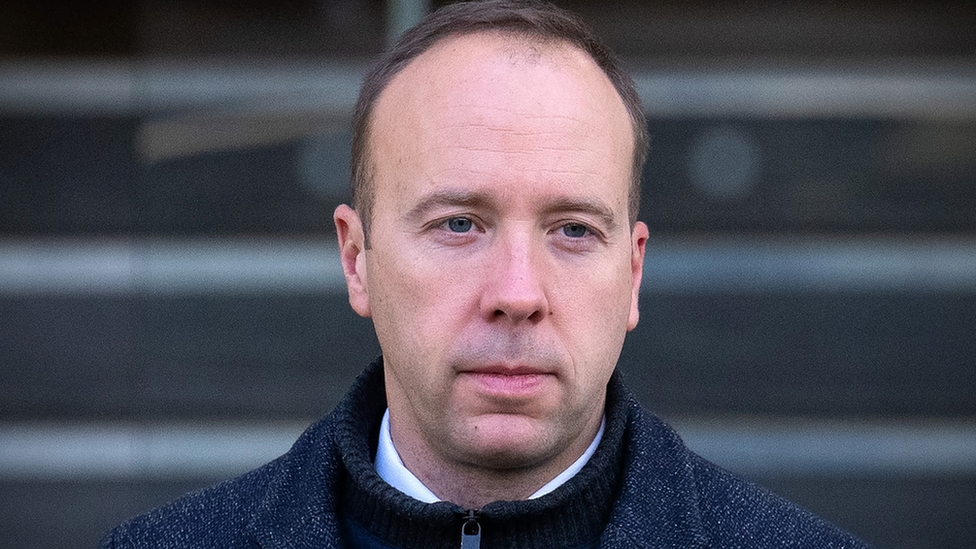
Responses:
[508,381]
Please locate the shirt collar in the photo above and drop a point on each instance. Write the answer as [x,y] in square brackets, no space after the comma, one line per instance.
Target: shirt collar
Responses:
[390,467]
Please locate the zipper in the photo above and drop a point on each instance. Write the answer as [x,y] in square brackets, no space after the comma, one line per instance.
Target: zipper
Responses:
[471,531]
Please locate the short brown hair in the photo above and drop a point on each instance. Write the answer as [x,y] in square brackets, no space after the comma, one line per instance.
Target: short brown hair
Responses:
[537,20]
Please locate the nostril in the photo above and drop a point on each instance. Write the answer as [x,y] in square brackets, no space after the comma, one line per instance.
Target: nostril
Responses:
[534,316]
[537,316]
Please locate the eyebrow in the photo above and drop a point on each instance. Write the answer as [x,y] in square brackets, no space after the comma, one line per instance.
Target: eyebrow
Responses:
[449,197]
[590,206]
[478,199]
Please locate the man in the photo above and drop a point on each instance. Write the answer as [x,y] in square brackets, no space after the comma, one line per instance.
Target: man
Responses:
[497,158]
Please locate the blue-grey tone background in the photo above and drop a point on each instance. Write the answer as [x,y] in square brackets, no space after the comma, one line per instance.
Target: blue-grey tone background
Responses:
[172,312]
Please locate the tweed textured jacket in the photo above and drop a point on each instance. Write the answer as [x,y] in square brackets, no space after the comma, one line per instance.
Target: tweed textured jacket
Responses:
[642,489]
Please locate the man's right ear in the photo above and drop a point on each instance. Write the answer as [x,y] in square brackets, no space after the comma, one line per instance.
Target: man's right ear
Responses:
[352,253]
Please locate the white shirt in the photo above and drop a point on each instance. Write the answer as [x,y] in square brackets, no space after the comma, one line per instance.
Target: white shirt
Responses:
[391,469]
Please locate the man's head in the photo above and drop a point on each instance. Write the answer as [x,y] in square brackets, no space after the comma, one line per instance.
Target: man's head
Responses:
[503,266]
[528,21]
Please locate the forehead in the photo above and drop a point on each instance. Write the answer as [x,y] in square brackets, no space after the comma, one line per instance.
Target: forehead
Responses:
[492,61]
[491,103]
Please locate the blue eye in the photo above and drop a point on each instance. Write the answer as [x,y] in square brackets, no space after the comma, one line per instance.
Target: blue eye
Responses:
[459,224]
[575,230]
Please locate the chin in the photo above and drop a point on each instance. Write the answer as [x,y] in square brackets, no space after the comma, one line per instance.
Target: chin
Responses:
[504,445]
[508,459]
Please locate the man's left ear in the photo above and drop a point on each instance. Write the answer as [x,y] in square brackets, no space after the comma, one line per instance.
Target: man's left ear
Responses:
[638,240]
[352,253]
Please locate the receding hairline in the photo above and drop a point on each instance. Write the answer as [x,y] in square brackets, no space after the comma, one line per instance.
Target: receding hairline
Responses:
[527,39]
[524,44]
[523,47]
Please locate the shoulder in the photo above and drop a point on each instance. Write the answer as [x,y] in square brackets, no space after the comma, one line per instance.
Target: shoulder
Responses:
[289,501]
[223,515]
[714,507]
[736,512]
[213,517]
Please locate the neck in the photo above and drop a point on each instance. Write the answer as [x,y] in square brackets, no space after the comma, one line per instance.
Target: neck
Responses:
[472,485]
[478,488]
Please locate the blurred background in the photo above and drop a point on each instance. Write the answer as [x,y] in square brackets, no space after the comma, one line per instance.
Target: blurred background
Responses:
[172,311]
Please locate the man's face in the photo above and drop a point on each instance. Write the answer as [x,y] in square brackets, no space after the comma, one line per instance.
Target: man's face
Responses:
[502,273]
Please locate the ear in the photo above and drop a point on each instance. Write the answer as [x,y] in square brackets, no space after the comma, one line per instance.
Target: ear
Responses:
[638,240]
[352,253]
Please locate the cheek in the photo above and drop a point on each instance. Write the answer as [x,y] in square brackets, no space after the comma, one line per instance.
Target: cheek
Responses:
[600,293]
[597,320]
[414,305]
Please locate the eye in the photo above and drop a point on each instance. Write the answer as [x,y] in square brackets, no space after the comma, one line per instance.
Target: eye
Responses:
[459,224]
[575,230]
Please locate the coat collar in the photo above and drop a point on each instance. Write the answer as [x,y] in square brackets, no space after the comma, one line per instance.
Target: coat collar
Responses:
[299,508]
[657,507]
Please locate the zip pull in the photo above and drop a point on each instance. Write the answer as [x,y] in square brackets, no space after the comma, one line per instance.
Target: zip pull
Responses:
[471,531]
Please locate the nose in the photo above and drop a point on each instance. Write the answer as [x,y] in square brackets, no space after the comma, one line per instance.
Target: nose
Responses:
[515,282]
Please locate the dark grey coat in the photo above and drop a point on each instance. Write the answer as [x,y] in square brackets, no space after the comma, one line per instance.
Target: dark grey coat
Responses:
[642,489]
